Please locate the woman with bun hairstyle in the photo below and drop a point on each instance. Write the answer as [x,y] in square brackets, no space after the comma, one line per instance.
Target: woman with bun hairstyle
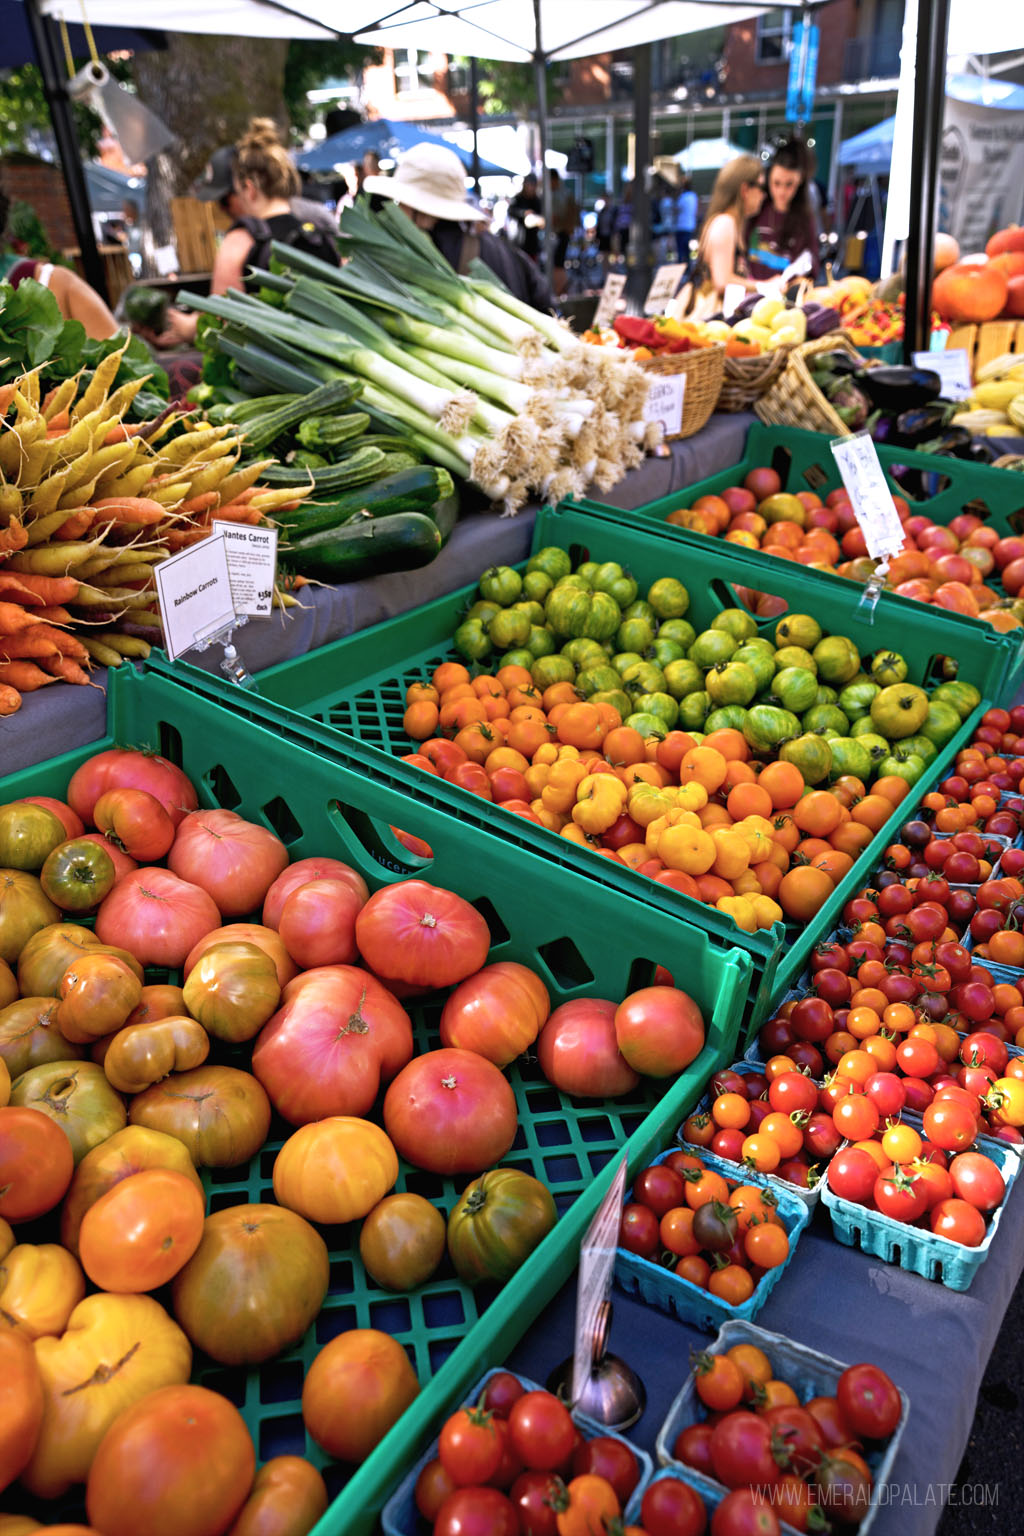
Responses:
[264,181]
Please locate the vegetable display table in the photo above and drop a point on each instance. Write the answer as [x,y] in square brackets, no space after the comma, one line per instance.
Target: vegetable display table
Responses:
[934,1342]
[59,718]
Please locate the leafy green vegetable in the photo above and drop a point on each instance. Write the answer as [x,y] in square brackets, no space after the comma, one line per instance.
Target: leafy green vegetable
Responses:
[34,333]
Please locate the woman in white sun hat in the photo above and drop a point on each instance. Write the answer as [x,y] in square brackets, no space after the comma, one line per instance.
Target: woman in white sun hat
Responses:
[430,186]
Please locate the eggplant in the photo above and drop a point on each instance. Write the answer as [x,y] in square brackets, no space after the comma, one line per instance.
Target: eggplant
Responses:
[821,322]
[832,363]
[850,403]
[746,305]
[918,425]
[901,389]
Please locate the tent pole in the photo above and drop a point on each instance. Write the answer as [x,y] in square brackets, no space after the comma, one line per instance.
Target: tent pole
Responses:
[59,104]
[640,231]
[929,101]
[474,118]
[541,76]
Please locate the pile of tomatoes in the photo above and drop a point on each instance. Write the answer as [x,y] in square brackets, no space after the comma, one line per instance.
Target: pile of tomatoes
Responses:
[949,566]
[514,1463]
[756,1434]
[720,1237]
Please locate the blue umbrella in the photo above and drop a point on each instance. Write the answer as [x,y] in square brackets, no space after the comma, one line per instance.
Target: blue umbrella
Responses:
[109,189]
[386,138]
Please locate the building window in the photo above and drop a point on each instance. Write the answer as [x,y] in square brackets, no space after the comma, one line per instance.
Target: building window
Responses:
[774,37]
[414,71]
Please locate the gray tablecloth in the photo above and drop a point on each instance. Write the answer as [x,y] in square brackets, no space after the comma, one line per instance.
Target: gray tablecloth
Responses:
[934,1342]
[61,717]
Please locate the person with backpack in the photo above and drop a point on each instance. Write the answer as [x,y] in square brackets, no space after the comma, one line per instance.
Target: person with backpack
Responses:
[264,185]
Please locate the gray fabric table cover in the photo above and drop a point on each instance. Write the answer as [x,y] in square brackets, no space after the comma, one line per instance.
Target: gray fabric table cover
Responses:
[61,717]
[934,1342]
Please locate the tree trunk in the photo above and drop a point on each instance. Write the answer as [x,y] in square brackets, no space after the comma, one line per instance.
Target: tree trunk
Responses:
[205,89]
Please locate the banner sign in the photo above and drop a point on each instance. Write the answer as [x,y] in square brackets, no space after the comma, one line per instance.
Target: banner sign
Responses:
[981,185]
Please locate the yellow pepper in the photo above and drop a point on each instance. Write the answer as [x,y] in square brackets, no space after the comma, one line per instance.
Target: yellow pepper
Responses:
[741,910]
[600,800]
[559,793]
[646,803]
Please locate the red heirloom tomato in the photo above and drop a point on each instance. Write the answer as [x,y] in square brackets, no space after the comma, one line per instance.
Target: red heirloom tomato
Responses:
[451,1111]
[337,1037]
[74,826]
[136,821]
[318,923]
[301,873]
[125,768]
[498,1012]
[660,1030]
[423,935]
[36,1163]
[868,1401]
[235,860]
[156,916]
[579,1053]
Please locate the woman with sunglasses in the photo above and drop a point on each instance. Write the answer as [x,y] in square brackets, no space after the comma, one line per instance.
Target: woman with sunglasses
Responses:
[736,198]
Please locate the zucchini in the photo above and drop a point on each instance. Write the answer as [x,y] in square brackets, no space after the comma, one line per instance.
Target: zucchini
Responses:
[411,490]
[322,432]
[402,541]
[328,397]
[363,465]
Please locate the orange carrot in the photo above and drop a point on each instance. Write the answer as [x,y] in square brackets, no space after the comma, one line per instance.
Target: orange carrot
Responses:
[66,669]
[54,614]
[121,431]
[79,523]
[13,619]
[58,425]
[130,509]
[201,503]
[49,589]
[10,700]
[13,587]
[23,675]
[12,537]
[29,643]
[238,512]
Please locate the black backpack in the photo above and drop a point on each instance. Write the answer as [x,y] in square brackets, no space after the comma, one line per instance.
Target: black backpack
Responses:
[286,229]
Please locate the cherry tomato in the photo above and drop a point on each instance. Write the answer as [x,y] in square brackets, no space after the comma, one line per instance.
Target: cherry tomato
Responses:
[543,1434]
[477,1510]
[900,1195]
[532,1496]
[659,1187]
[741,1451]
[612,1459]
[868,1401]
[852,1175]
[977,1180]
[960,1222]
[500,1393]
[672,1508]
[470,1447]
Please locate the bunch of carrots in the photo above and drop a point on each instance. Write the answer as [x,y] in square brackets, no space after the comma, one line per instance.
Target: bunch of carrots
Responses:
[89,505]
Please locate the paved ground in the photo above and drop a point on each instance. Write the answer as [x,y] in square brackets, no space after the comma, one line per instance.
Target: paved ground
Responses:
[987,1498]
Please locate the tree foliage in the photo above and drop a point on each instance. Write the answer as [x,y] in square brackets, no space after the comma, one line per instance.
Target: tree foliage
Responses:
[312,64]
[25,116]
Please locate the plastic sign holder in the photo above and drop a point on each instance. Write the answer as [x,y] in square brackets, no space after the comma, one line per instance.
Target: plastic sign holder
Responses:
[862,474]
[197,606]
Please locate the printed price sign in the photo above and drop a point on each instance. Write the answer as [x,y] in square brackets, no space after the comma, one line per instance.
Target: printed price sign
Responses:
[597,1260]
[952,367]
[664,402]
[608,303]
[194,590]
[663,288]
[873,506]
[252,565]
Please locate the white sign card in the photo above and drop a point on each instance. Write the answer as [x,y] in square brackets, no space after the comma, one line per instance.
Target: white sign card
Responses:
[664,401]
[252,565]
[663,288]
[608,303]
[870,496]
[594,1279]
[194,591]
[952,367]
[732,298]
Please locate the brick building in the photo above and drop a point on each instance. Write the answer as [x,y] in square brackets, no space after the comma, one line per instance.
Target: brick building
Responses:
[41,185]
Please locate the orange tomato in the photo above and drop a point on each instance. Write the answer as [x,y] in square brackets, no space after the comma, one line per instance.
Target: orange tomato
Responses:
[21,1404]
[733,1284]
[462,712]
[732,744]
[784,783]
[287,1498]
[624,746]
[738,773]
[449,673]
[803,892]
[420,719]
[580,725]
[511,676]
[357,1387]
[852,838]
[139,1234]
[705,766]
[818,813]
[749,800]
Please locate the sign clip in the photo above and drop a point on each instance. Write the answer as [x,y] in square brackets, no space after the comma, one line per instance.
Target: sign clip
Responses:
[231,664]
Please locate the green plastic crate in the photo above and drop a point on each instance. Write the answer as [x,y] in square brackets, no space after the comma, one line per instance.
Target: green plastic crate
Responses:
[942,488]
[354,691]
[328,803]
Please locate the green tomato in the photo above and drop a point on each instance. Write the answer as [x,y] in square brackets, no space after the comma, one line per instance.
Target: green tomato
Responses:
[664,651]
[761,662]
[669,598]
[647,724]
[811,754]
[899,710]
[694,710]
[795,656]
[798,629]
[583,652]
[768,727]
[616,698]
[534,611]
[920,745]
[483,611]
[826,695]
[736,622]
[661,704]
[729,717]
[587,571]
[597,679]
[964,697]
[795,688]
[611,578]
[711,647]
[520,657]
[863,727]
[541,641]
[838,660]
[644,678]
[509,628]
[856,699]
[641,610]
[635,635]
[941,723]
[680,630]
[849,756]
[554,562]
[623,659]
[501,584]
[876,746]
[909,768]
[683,678]
[731,682]
[826,717]
[552,669]
[472,640]
[887,667]
[536,585]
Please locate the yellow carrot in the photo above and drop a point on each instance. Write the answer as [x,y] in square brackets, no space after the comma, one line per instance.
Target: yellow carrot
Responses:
[99,385]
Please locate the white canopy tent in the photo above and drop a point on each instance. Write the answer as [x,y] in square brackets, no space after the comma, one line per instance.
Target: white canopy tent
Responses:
[707,154]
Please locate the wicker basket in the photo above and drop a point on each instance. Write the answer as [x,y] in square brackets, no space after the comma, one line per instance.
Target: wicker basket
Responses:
[794,400]
[747,378]
[703,368]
